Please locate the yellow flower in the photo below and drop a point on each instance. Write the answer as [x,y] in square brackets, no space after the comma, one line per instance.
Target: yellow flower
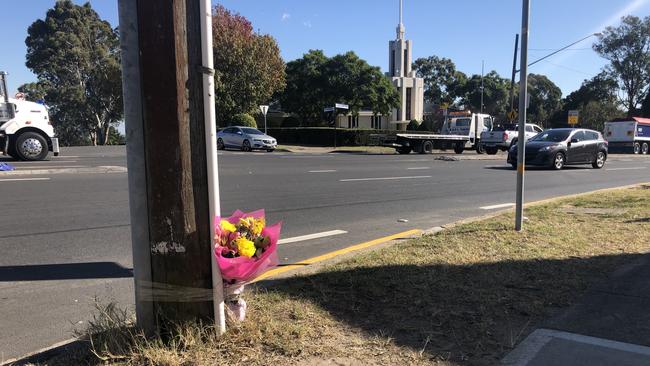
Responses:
[246,222]
[227,226]
[258,226]
[245,247]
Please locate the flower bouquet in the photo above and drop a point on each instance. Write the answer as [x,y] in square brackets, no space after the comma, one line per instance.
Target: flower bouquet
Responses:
[244,248]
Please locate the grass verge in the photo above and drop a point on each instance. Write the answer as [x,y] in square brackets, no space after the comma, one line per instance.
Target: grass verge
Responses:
[464,296]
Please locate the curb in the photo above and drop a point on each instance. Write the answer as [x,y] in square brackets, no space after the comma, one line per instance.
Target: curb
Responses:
[44,354]
[94,170]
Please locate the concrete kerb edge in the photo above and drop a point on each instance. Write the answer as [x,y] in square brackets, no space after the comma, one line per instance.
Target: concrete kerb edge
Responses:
[45,353]
[94,170]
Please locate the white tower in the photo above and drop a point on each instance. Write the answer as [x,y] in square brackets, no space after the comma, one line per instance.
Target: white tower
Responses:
[410,87]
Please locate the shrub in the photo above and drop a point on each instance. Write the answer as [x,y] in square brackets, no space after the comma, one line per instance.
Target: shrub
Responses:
[413,125]
[243,119]
[291,121]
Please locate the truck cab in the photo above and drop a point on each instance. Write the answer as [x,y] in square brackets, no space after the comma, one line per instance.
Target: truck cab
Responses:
[26,132]
[467,124]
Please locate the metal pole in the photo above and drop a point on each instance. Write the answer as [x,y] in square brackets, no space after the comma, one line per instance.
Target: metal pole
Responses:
[265,123]
[482,71]
[521,143]
[5,91]
[514,72]
[335,127]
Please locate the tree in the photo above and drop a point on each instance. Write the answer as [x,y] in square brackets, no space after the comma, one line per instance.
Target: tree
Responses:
[627,47]
[544,101]
[248,67]
[645,110]
[495,94]
[316,81]
[441,79]
[34,91]
[75,56]
[594,114]
[305,86]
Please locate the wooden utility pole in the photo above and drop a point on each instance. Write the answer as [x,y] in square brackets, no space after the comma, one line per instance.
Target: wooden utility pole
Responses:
[169,177]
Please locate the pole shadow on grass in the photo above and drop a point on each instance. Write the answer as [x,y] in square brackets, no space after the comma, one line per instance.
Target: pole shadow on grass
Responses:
[468,314]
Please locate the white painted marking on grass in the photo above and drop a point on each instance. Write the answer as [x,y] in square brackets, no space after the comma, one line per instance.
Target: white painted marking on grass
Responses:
[322,171]
[386,178]
[22,179]
[419,168]
[311,236]
[632,168]
[494,207]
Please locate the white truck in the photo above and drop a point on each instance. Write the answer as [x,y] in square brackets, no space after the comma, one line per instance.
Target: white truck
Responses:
[503,137]
[628,135]
[26,132]
[460,130]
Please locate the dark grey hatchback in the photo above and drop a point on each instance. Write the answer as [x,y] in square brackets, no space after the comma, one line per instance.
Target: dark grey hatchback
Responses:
[564,146]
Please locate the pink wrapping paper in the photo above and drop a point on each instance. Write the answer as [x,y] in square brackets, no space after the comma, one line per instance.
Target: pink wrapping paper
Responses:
[242,269]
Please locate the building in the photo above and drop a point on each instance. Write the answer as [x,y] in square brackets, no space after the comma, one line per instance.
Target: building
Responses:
[409,86]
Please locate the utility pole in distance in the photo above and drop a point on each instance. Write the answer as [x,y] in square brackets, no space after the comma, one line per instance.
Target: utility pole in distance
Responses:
[523,94]
[172,166]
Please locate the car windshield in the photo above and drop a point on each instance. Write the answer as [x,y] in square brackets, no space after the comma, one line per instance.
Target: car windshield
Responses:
[552,136]
[252,131]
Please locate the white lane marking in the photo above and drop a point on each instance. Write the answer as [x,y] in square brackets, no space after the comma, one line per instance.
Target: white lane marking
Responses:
[311,236]
[632,168]
[418,168]
[411,161]
[386,178]
[494,207]
[22,179]
[322,171]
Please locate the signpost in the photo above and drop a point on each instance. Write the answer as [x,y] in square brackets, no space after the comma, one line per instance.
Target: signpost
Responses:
[523,98]
[333,110]
[573,117]
[265,110]
[512,116]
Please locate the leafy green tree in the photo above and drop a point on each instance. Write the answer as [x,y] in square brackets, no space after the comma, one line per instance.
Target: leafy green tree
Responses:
[34,91]
[243,119]
[115,137]
[544,100]
[441,79]
[75,55]
[594,114]
[627,47]
[316,81]
[645,110]
[495,94]
[248,67]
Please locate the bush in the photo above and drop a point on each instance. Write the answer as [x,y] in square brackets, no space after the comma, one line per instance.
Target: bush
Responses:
[291,121]
[243,119]
[413,125]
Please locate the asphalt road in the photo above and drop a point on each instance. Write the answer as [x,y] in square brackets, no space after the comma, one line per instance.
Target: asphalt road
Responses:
[65,238]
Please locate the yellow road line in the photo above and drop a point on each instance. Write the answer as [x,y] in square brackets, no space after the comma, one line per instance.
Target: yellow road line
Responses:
[336,253]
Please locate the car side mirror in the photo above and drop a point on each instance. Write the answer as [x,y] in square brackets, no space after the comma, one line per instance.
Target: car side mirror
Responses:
[239,132]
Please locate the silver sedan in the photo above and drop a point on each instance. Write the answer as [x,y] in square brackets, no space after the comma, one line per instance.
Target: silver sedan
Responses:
[245,138]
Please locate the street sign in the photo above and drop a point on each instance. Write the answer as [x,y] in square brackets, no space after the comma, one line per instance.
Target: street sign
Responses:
[512,115]
[573,117]
[329,109]
[264,109]
[342,106]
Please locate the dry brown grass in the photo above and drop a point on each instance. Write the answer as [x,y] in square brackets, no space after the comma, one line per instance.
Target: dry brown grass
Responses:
[464,296]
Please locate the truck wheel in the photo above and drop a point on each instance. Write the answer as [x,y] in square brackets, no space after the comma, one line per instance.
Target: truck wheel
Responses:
[404,150]
[31,146]
[459,148]
[427,147]
[480,149]
[637,148]
[644,148]
[491,150]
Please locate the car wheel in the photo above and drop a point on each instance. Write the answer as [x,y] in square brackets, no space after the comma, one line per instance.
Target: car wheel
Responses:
[459,148]
[31,146]
[491,150]
[644,148]
[427,147]
[246,146]
[480,149]
[220,145]
[270,150]
[513,166]
[558,161]
[637,148]
[600,160]
[513,142]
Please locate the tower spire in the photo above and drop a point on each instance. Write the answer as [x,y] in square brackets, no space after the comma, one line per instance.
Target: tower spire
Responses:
[400,27]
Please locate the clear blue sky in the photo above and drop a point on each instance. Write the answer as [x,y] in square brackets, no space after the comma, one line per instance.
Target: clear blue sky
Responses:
[467,31]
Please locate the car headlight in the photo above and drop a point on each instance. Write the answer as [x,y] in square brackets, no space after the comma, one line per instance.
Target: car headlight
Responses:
[546,148]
